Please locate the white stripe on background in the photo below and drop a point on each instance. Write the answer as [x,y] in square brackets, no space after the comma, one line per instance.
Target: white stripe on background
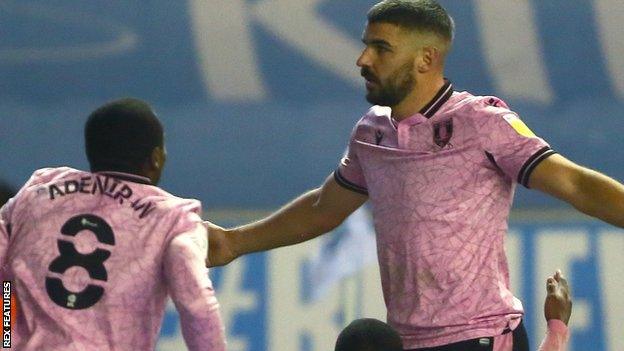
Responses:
[610,16]
[515,250]
[225,50]
[611,270]
[299,24]
[511,48]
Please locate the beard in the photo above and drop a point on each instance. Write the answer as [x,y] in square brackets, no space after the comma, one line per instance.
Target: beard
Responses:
[395,89]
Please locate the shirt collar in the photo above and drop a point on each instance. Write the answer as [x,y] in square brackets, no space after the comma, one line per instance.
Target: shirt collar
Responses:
[127,176]
[438,100]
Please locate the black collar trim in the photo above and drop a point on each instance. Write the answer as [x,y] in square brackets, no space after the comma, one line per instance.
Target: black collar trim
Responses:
[135,178]
[441,97]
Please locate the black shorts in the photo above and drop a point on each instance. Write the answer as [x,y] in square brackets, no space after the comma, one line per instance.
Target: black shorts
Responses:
[520,343]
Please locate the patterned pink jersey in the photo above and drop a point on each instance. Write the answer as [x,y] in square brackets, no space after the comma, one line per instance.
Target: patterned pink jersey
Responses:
[441,185]
[93,257]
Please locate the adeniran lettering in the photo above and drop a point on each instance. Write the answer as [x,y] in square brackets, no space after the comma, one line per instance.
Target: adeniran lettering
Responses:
[102,185]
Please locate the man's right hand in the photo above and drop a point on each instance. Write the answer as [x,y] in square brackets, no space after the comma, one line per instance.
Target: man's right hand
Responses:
[558,304]
[220,246]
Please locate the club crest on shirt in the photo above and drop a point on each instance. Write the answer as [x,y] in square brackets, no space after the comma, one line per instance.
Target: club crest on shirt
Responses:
[378,136]
[442,133]
[494,102]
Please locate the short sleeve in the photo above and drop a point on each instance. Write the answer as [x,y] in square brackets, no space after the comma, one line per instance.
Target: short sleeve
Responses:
[186,216]
[192,291]
[349,173]
[507,141]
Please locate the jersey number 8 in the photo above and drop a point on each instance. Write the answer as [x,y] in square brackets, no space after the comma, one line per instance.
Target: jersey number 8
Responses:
[69,257]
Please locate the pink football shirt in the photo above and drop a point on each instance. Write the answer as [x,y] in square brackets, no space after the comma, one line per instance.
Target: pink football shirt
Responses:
[93,257]
[441,185]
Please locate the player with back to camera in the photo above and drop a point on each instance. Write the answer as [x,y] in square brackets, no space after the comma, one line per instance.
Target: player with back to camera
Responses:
[368,334]
[439,167]
[94,254]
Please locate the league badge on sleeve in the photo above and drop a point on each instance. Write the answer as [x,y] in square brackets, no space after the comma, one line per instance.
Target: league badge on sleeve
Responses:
[519,126]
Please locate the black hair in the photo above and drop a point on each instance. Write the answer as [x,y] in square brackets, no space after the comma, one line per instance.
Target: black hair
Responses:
[368,334]
[6,192]
[121,136]
[421,15]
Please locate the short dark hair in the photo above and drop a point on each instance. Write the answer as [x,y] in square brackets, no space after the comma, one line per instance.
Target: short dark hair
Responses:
[121,135]
[368,334]
[6,193]
[421,15]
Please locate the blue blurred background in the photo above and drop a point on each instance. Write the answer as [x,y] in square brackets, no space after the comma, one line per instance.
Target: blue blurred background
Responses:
[258,98]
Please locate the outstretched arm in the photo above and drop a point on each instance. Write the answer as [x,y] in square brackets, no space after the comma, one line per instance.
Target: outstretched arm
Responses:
[557,311]
[588,191]
[308,216]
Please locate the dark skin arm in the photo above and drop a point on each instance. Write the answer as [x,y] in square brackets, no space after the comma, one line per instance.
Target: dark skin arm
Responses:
[306,217]
[588,191]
